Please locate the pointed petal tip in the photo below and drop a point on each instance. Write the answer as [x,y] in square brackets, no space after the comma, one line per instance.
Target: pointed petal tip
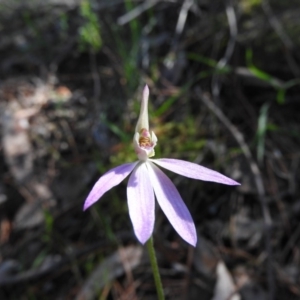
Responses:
[143,235]
[193,243]
[192,240]
[146,91]
[142,238]
[142,241]
[85,206]
[235,183]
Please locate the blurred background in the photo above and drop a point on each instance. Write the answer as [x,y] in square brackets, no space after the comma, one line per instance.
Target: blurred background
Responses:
[224,79]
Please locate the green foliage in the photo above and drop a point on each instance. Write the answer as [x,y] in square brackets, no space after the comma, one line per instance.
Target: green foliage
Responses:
[261,132]
[280,86]
[89,32]
[30,24]
[259,73]
[39,259]
[48,221]
[249,5]
[64,24]
[134,24]
[166,105]
[114,221]
[89,265]
[128,49]
[210,63]
[179,139]
[125,137]
[128,57]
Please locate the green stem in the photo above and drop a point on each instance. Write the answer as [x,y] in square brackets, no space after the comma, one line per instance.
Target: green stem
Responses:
[156,275]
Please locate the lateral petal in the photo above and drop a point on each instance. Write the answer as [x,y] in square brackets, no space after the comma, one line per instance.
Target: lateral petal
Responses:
[110,179]
[193,170]
[172,204]
[140,198]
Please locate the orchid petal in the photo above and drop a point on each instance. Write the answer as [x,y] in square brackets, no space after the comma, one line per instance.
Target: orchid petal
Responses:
[172,205]
[140,198]
[110,179]
[193,170]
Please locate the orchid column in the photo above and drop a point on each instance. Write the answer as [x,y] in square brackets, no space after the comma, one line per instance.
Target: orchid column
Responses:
[147,179]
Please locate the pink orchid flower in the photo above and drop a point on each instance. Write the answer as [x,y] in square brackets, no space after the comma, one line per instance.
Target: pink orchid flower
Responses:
[147,179]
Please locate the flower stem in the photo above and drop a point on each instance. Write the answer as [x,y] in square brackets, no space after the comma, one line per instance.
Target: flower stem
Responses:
[154,266]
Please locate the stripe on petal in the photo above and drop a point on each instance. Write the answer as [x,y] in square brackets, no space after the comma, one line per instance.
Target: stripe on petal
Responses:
[172,205]
[140,197]
[110,179]
[192,170]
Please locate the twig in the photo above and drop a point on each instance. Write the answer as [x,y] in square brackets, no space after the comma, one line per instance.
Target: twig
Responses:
[187,4]
[97,89]
[276,25]
[187,278]
[96,77]
[291,242]
[257,179]
[59,265]
[136,12]
[229,49]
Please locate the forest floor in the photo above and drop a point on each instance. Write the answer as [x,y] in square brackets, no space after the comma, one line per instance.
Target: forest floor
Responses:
[224,80]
